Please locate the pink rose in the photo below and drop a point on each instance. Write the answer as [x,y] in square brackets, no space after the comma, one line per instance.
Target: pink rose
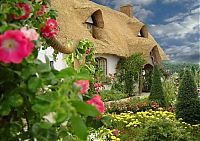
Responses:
[26,10]
[98,87]
[14,46]
[50,28]
[84,84]
[42,10]
[97,102]
[31,34]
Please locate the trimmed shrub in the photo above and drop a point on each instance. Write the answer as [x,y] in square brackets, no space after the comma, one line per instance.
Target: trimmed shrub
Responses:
[156,93]
[112,95]
[188,102]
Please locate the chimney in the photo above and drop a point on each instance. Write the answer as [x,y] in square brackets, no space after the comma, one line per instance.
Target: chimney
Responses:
[127,9]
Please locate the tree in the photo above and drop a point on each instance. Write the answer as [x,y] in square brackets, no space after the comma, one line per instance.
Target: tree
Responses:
[188,102]
[156,92]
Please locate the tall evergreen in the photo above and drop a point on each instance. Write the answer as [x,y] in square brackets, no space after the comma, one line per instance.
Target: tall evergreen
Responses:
[156,92]
[188,103]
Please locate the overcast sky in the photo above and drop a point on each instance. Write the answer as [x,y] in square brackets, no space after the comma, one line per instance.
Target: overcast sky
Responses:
[173,23]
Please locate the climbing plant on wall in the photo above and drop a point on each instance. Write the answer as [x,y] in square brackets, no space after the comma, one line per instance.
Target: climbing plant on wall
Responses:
[128,71]
[84,54]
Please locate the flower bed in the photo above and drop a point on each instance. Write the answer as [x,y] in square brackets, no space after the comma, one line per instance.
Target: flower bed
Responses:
[134,104]
[146,126]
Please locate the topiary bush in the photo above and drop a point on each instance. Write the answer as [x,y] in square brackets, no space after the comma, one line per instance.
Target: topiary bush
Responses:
[156,93]
[188,102]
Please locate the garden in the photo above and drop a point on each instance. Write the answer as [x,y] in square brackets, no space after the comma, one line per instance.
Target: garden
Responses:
[40,103]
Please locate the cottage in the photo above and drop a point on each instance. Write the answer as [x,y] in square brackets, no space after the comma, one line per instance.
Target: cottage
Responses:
[116,34]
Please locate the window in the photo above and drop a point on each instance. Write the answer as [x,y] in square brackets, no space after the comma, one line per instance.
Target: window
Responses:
[102,64]
[94,22]
[89,23]
[90,27]
[152,57]
[143,32]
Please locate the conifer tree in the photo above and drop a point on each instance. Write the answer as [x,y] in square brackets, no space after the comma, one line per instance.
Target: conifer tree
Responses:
[188,103]
[156,93]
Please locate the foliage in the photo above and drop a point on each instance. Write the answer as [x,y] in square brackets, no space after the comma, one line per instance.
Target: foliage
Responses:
[37,102]
[112,95]
[149,126]
[147,81]
[32,91]
[188,102]
[165,130]
[128,71]
[177,67]
[8,8]
[169,89]
[84,53]
[103,134]
[156,93]
[100,77]
[130,104]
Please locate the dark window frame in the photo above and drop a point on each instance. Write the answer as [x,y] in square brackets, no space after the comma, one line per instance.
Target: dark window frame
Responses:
[103,64]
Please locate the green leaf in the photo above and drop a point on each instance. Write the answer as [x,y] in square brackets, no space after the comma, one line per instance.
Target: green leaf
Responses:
[66,72]
[79,127]
[45,97]
[42,67]
[4,109]
[61,116]
[107,121]
[26,72]
[41,108]
[15,127]
[45,125]
[85,109]
[34,83]
[44,132]
[3,28]
[15,100]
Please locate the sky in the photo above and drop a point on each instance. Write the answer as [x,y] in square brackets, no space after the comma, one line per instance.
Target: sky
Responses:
[175,24]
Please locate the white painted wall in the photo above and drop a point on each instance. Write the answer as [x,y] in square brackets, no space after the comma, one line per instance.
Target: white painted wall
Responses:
[59,64]
[112,61]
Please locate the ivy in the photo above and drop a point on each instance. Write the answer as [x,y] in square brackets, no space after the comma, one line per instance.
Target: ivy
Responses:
[84,53]
[128,71]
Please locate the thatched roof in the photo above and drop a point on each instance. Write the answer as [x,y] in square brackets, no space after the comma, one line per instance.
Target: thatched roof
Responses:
[116,33]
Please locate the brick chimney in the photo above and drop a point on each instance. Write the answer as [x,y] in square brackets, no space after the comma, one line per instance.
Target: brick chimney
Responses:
[127,9]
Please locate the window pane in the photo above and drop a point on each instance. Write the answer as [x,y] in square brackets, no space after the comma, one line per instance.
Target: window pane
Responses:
[102,63]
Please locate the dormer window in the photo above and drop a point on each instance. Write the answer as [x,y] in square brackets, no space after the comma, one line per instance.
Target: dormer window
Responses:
[152,57]
[139,34]
[94,21]
[143,32]
[89,24]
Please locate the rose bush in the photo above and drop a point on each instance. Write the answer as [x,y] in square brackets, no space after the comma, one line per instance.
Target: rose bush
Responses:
[36,101]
